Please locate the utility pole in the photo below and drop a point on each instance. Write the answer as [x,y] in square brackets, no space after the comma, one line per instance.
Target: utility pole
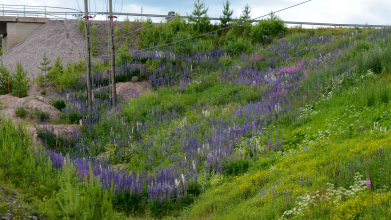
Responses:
[88,59]
[113,88]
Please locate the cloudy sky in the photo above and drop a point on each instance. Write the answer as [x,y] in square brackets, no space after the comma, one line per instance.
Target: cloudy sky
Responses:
[330,11]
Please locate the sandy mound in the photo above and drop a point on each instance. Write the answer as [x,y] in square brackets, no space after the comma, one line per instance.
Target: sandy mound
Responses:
[130,89]
[10,103]
[55,38]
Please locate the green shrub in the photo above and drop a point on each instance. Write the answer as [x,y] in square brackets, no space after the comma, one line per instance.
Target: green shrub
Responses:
[130,203]
[59,104]
[73,117]
[4,76]
[82,26]
[159,210]
[265,30]
[226,61]
[124,55]
[43,91]
[68,79]
[372,60]
[236,167]
[64,77]
[42,116]
[20,111]
[184,47]
[238,45]
[20,81]
[56,70]
[386,58]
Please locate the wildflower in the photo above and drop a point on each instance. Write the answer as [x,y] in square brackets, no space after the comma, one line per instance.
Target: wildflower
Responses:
[368,183]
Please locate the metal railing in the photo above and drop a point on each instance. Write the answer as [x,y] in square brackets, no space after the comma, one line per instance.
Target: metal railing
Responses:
[60,13]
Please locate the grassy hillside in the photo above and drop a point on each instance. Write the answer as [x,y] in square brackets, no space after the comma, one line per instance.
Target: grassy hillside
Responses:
[299,121]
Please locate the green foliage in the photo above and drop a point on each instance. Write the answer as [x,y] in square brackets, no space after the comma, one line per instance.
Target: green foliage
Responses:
[238,45]
[293,38]
[20,111]
[58,104]
[64,77]
[69,200]
[226,61]
[266,29]
[127,30]
[370,60]
[73,117]
[56,70]
[82,26]
[134,203]
[42,116]
[4,76]
[124,55]
[226,19]
[245,16]
[44,67]
[199,16]
[235,168]
[20,82]
[43,91]
[386,59]
[94,40]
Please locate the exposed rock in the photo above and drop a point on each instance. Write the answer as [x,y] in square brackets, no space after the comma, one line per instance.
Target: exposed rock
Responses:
[134,79]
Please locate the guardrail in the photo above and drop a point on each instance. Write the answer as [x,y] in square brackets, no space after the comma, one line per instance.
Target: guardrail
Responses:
[63,13]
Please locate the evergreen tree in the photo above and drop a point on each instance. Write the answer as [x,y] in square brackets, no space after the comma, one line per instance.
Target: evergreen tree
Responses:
[245,16]
[199,16]
[44,65]
[4,76]
[20,81]
[226,19]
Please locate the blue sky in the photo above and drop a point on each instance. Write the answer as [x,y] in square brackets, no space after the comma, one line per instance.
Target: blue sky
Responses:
[331,11]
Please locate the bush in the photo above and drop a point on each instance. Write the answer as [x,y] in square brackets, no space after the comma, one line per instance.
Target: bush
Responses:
[64,77]
[4,76]
[43,91]
[20,81]
[238,45]
[42,116]
[73,117]
[265,30]
[20,111]
[386,58]
[184,47]
[59,104]
[226,60]
[124,55]
[371,60]
[236,167]
[130,203]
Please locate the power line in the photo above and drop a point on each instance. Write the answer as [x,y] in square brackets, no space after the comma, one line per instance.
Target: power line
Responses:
[211,32]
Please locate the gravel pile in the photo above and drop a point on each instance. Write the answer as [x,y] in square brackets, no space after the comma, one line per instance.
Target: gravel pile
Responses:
[56,38]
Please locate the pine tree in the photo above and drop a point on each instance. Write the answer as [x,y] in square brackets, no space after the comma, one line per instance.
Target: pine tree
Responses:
[199,16]
[44,65]
[245,16]
[226,19]
[20,81]
[4,76]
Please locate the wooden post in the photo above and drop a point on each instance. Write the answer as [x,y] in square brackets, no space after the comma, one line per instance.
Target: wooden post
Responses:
[113,87]
[88,59]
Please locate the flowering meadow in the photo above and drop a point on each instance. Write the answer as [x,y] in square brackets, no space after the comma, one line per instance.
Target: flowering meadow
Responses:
[302,122]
